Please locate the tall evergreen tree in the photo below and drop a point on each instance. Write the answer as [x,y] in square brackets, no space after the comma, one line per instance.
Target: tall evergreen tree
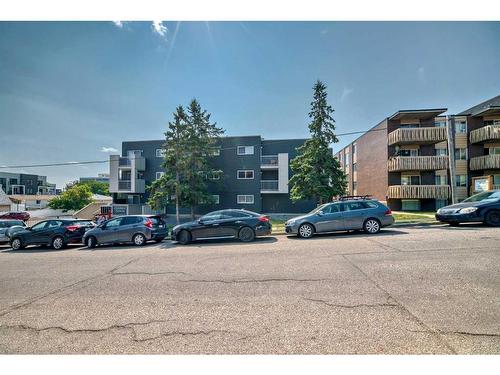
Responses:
[172,186]
[316,172]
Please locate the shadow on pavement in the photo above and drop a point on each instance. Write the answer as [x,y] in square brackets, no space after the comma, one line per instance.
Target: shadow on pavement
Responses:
[356,234]
[218,242]
[37,249]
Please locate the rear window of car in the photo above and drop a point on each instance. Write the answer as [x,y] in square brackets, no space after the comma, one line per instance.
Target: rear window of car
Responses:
[370,204]
[156,220]
[127,220]
[352,206]
[232,214]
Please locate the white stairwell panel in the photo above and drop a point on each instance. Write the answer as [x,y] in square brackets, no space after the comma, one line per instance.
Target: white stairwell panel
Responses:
[283,173]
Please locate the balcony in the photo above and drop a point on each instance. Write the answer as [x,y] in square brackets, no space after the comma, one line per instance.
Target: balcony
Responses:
[269,161]
[124,185]
[486,133]
[485,162]
[269,186]
[417,163]
[421,136]
[124,162]
[418,192]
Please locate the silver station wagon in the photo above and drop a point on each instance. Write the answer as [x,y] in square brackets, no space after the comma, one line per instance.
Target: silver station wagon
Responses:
[348,213]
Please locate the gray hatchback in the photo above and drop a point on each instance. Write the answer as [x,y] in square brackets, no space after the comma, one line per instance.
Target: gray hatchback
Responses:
[137,229]
[345,214]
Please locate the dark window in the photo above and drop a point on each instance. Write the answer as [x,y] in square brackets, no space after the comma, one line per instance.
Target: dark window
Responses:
[370,204]
[113,223]
[351,206]
[128,220]
[39,226]
[231,214]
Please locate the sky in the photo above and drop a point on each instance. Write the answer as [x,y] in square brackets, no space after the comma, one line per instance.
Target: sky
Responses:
[73,91]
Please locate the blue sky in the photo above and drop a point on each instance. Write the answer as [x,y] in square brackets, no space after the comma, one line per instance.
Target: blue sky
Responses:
[72,91]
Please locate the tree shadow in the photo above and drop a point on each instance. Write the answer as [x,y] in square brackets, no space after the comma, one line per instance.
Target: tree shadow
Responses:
[219,242]
[35,249]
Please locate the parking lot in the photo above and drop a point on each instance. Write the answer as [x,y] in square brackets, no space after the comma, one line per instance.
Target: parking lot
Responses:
[433,289]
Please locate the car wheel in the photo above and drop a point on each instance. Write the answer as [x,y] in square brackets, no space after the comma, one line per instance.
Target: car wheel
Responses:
[91,242]
[139,239]
[16,244]
[184,237]
[58,243]
[306,231]
[246,234]
[371,226]
[492,218]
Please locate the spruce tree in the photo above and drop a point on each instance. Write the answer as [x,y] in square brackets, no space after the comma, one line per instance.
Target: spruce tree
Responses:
[316,172]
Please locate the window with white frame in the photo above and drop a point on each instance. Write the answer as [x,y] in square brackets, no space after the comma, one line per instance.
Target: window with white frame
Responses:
[410,180]
[246,174]
[354,148]
[214,175]
[216,199]
[409,152]
[461,180]
[460,154]
[441,179]
[159,175]
[440,123]
[245,150]
[494,150]
[460,127]
[160,153]
[244,199]
[441,152]
[214,151]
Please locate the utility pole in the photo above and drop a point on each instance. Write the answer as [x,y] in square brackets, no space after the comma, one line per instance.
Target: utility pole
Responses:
[450,121]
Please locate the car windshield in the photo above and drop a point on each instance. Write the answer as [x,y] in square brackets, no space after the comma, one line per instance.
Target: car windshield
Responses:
[487,195]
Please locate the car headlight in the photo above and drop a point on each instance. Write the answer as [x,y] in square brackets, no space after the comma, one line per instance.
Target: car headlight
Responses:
[439,211]
[467,210]
[290,222]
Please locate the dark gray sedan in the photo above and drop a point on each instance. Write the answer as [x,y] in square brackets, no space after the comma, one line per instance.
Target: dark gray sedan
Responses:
[353,214]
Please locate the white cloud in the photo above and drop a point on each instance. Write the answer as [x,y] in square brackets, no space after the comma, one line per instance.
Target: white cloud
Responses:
[118,24]
[421,73]
[345,93]
[159,28]
[108,149]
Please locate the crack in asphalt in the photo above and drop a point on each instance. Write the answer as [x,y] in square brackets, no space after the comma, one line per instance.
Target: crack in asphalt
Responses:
[433,331]
[383,245]
[460,333]
[384,304]
[151,273]
[243,281]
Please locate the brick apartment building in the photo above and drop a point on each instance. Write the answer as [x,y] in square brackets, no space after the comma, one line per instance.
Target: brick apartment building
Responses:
[405,160]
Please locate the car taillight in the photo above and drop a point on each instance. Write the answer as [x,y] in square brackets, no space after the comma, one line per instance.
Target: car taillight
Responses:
[72,228]
[264,219]
[388,212]
[149,223]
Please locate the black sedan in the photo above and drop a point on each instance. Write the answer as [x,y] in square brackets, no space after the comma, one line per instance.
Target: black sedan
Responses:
[56,233]
[242,224]
[483,208]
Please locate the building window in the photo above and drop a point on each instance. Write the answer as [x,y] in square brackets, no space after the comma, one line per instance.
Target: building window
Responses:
[134,153]
[245,150]
[496,181]
[244,199]
[460,154]
[245,174]
[216,198]
[346,159]
[160,153]
[441,152]
[354,148]
[441,179]
[214,151]
[354,167]
[461,180]
[460,127]
[159,175]
[440,123]
[354,186]
[410,126]
[491,122]
[214,175]
[494,150]
[410,180]
[410,205]
[411,152]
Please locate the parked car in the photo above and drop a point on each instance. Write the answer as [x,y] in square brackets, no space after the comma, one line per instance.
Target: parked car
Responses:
[343,215]
[9,226]
[15,215]
[242,224]
[482,207]
[137,229]
[56,233]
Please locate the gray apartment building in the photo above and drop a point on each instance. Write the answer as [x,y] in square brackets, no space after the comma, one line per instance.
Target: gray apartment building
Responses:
[25,184]
[255,175]
[421,160]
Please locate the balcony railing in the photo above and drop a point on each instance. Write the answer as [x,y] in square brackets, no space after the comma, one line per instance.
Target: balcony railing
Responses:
[425,135]
[124,162]
[270,185]
[419,192]
[417,163]
[486,133]
[125,185]
[485,162]
[269,160]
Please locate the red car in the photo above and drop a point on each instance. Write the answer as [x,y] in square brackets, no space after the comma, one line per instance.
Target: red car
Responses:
[19,215]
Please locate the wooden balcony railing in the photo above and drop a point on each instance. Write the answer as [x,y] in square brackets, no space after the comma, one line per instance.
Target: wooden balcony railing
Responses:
[486,133]
[425,135]
[417,163]
[485,162]
[419,192]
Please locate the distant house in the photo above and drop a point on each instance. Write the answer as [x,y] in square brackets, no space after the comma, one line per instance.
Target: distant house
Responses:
[5,202]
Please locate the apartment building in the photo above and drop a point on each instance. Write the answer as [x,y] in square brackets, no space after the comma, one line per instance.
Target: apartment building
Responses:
[255,175]
[405,160]
[101,177]
[25,184]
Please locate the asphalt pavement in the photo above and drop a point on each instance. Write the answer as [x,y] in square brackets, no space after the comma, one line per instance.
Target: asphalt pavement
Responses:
[432,289]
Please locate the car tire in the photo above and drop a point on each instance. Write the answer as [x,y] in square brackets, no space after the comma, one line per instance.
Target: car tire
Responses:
[492,218]
[139,239]
[306,231]
[91,242]
[371,226]
[17,244]
[184,237]
[246,234]
[57,243]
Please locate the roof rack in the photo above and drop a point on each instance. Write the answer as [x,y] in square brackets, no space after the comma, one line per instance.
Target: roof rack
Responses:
[349,197]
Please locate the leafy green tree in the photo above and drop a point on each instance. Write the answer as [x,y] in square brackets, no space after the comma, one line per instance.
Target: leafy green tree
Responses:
[316,172]
[202,135]
[96,187]
[173,186]
[73,198]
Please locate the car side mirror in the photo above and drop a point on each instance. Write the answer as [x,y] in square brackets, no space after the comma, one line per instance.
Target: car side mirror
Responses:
[200,221]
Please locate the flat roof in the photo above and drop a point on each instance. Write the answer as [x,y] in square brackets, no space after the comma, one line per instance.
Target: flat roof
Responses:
[420,114]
